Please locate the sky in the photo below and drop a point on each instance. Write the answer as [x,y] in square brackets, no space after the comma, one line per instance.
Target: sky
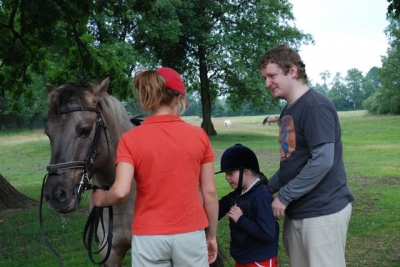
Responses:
[347,33]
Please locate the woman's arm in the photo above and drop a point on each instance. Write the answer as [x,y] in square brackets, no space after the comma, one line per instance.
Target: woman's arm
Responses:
[210,202]
[119,191]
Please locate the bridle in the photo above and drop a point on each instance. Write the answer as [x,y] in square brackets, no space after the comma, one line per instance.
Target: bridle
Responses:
[96,215]
[90,159]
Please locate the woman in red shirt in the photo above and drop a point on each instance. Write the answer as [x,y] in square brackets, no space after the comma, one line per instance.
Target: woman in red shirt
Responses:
[169,160]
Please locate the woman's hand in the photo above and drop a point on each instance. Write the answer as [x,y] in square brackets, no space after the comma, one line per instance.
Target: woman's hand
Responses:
[98,197]
[212,248]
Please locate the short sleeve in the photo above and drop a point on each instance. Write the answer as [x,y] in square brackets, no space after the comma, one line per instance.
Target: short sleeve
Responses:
[123,152]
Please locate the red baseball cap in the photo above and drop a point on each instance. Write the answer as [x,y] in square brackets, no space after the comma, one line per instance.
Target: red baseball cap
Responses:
[174,81]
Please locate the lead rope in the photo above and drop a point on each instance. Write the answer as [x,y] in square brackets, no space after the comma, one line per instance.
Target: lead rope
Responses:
[91,228]
[43,234]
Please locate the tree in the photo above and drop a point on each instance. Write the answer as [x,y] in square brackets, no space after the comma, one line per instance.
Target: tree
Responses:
[323,89]
[372,82]
[10,198]
[355,88]
[339,94]
[218,45]
[387,99]
[214,44]
[45,41]
[394,8]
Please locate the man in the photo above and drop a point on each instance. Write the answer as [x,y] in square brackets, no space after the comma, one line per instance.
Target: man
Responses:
[313,195]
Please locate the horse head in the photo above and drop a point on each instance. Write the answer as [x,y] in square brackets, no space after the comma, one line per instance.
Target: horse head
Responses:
[80,128]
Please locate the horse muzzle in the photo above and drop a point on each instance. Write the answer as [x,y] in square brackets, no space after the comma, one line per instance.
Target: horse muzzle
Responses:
[60,199]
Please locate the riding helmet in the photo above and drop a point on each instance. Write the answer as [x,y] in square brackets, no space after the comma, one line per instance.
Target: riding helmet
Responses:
[239,157]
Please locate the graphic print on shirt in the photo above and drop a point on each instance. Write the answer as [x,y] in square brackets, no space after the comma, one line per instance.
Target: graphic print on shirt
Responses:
[287,137]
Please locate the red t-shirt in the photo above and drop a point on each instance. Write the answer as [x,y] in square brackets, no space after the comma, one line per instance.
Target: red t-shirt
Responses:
[167,154]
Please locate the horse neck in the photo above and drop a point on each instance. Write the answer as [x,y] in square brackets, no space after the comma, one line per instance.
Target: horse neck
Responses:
[117,124]
[105,176]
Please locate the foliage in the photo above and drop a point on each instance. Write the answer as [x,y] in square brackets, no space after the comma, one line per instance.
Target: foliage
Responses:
[323,89]
[350,92]
[394,8]
[387,100]
[214,44]
[56,42]
[207,41]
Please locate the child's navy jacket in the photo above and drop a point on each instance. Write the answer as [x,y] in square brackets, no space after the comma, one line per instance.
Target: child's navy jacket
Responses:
[255,236]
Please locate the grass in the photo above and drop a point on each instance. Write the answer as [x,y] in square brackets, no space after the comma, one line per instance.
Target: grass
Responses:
[371,153]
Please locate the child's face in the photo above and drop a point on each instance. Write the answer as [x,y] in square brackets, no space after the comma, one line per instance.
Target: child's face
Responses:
[232,177]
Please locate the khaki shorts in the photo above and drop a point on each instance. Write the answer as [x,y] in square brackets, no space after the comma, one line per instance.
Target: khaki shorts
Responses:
[177,250]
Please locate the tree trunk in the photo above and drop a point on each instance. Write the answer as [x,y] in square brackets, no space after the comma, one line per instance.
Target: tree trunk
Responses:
[10,198]
[205,94]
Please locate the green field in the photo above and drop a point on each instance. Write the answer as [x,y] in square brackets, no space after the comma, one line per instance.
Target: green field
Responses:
[371,154]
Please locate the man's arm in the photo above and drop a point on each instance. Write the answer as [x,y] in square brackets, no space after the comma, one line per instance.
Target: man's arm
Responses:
[313,172]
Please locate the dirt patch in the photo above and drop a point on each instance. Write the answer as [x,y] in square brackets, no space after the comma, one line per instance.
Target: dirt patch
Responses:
[368,191]
[384,180]
[35,135]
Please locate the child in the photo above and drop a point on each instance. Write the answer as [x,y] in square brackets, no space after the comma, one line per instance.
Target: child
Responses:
[254,231]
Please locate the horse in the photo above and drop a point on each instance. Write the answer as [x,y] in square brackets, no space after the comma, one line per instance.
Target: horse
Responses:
[270,119]
[84,126]
[227,123]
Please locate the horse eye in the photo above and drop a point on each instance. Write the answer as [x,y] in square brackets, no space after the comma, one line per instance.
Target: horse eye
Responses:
[85,132]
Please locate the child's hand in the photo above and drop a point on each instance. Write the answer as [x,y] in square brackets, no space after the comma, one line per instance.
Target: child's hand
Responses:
[235,213]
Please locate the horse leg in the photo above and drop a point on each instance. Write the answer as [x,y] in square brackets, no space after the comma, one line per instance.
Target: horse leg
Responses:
[116,257]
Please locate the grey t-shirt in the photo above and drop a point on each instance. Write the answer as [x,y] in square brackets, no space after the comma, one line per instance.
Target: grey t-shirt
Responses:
[311,178]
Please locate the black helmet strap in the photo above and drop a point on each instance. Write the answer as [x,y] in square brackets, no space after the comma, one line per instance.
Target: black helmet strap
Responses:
[239,188]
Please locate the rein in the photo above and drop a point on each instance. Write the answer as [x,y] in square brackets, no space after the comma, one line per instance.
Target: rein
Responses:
[96,215]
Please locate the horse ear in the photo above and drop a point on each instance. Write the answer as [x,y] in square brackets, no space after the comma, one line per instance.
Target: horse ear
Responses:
[102,88]
[50,88]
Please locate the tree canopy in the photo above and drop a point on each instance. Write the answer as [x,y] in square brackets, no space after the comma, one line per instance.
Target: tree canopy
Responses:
[214,44]
[387,99]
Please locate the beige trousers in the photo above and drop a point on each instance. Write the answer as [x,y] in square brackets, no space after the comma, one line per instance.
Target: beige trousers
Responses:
[177,250]
[319,241]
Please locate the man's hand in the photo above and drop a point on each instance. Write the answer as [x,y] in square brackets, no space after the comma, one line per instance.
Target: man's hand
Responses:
[278,208]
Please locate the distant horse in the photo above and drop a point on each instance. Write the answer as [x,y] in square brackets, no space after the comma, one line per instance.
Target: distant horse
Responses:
[227,123]
[84,126]
[270,119]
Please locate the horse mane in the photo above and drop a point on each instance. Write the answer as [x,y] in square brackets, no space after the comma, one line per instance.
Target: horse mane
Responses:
[76,92]
[68,93]
[116,113]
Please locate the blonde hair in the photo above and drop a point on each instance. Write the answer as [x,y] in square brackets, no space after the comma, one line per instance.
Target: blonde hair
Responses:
[152,93]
